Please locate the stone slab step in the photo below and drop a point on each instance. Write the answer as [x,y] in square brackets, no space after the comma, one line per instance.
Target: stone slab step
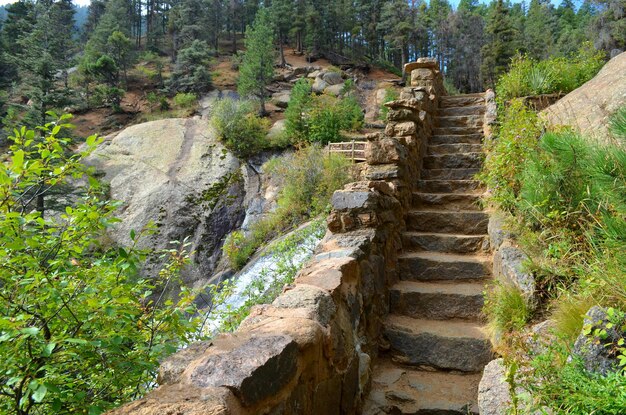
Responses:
[444,242]
[447,344]
[403,390]
[439,266]
[437,300]
[450,186]
[471,110]
[459,121]
[466,130]
[467,223]
[473,138]
[446,201]
[467,100]
[454,148]
[449,174]
[453,161]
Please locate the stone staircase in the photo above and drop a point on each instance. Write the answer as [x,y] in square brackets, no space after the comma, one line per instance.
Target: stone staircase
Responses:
[436,348]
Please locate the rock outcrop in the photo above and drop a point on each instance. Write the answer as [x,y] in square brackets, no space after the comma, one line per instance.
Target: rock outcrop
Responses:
[589,107]
[175,174]
[596,350]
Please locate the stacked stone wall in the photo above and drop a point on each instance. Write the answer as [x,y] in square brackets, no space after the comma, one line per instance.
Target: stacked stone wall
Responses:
[312,349]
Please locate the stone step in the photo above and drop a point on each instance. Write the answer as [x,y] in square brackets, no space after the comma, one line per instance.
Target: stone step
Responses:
[446,201]
[449,344]
[439,266]
[466,130]
[454,148]
[467,100]
[437,300]
[467,223]
[404,390]
[449,174]
[450,186]
[454,161]
[459,121]
[471,110]
[474,138]
[443,242]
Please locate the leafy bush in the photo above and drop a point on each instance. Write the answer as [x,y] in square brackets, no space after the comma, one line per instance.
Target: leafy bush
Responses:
[191,71]
[309,177]
[239,127]
[296,125]
[320,118]
[390,95]
[80,330]
[518,138]
[185,100]
[558,74]
[506,309]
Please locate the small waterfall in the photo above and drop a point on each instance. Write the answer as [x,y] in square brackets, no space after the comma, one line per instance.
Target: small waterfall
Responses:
[263,278]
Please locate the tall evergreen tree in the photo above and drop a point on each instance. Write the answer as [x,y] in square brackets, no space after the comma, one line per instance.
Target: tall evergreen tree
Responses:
[257,68]
[396,26]
[539,29]
[499,49]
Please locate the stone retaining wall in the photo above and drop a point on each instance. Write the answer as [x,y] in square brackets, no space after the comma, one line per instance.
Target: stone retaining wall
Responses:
[311,350]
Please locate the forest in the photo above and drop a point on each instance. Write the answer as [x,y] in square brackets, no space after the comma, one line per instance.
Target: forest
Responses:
[84,62]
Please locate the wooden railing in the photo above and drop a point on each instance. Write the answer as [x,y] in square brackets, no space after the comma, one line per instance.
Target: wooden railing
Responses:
[353,150]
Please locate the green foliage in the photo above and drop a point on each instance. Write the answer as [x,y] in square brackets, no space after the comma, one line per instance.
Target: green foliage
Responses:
[80,330]
[191,72]
[309,177]
[391,94]
[239,128]
[320,118]
[257,66]
[567,388]
[187,101]
[506,309]
[558,74]
[518,138]
[296,112]
[618,124]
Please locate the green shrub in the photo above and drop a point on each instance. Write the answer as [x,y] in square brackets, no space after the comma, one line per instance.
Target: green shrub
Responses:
[239,127]
[391,94]
[308,179]
[191,72]
[517,140]
[296,125]
[506,309]
[566,387]
[329,115]
[186,100]
[558,74]
[80,331]
[618,124]
[320,119]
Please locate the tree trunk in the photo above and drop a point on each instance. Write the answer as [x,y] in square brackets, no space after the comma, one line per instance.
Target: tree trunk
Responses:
[281,47]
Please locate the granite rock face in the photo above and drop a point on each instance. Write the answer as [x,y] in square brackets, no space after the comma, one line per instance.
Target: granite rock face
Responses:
[176,174]
[494,397]
[589,107]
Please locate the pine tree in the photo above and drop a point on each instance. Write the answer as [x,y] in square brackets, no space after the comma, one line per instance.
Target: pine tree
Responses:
[498,50]
[396,25]
[539,29]
[467,38]
[257,67]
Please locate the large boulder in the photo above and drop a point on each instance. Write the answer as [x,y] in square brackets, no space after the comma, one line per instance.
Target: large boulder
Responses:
[176,174]
[589,107]
[494,396]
